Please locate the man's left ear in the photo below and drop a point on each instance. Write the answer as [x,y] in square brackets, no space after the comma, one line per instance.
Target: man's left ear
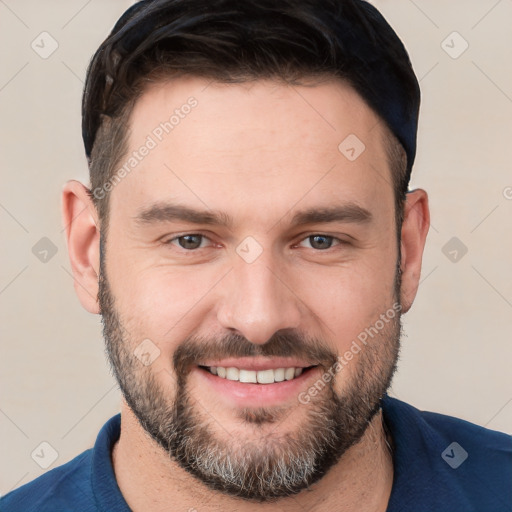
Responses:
[414,234]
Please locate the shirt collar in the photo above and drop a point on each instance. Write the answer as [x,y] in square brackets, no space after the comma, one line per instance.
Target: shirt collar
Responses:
[106,492]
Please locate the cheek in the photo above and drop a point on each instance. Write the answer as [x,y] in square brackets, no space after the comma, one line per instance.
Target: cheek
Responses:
[348,299]
[161,304]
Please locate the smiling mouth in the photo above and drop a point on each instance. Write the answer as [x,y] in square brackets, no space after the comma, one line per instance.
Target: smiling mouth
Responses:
[269,376]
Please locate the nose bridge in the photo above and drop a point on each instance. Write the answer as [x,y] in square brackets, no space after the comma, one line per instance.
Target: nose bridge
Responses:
[256,301]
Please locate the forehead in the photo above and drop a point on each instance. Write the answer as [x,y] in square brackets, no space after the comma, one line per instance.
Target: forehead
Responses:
[227,144]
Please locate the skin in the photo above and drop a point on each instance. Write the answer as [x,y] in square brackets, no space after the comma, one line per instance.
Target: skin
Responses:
[260,152]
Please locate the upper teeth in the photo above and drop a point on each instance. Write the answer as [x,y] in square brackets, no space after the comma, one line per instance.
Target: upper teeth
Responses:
[261,377]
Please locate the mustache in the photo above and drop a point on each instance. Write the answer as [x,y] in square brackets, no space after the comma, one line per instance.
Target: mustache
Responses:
[284,343]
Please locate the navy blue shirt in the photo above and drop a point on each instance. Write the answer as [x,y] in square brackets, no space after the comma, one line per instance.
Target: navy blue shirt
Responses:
[441,464]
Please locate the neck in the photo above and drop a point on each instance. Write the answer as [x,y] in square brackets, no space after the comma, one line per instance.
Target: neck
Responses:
[150,480]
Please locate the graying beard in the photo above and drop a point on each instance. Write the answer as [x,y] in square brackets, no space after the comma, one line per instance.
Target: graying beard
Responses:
[281,468]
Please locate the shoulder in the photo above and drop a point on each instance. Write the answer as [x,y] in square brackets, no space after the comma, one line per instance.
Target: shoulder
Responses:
[448,462]
[86,483]
[441,423]
[62,488]
[435,427]
[492,441]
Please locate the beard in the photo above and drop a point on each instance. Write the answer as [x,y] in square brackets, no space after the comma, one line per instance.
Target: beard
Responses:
[274,465]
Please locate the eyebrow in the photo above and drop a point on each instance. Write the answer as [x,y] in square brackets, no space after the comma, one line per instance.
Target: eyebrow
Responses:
[166,212]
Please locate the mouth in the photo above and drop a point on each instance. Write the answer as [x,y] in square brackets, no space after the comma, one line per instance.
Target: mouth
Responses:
[250,376]
[255,383]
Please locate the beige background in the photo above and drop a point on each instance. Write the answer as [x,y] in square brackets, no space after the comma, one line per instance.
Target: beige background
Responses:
[456,356]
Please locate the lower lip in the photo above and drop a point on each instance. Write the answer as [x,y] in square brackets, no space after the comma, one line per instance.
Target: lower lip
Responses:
[257,395]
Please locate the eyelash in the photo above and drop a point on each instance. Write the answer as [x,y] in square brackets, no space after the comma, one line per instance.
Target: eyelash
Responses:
[334,239]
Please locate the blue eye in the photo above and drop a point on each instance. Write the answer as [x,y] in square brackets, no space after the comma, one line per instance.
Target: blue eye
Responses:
[321,242]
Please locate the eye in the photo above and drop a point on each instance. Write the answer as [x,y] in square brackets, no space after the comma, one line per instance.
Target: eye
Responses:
[189,241]
[193,241]
[321,242]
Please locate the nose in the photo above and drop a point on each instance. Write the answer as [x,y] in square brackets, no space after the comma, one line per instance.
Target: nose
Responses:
[257,301]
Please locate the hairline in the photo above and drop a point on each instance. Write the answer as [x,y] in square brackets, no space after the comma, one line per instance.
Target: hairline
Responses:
[120,126]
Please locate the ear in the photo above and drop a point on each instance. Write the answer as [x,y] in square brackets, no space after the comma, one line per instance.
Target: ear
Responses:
[414,234]
[83,240]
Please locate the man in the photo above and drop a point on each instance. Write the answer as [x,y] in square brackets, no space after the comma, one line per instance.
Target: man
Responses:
[250,241]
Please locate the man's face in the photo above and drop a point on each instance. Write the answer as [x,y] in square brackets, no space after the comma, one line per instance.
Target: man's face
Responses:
[283,284]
